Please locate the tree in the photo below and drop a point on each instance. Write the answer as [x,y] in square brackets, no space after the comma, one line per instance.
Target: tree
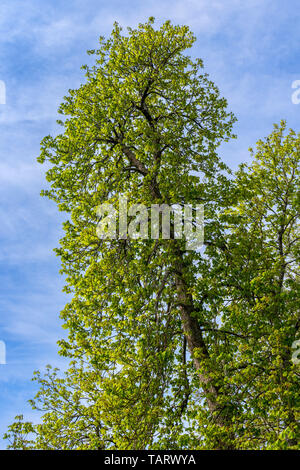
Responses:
[261,260]
[167,344]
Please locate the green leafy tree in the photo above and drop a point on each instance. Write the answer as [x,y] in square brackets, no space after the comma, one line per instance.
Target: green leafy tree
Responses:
[170,348]
[260,275]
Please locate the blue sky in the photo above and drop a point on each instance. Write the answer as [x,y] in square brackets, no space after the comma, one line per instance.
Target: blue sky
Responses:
[249,48]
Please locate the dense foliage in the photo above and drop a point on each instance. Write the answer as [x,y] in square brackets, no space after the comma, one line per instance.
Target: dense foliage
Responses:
[170,348]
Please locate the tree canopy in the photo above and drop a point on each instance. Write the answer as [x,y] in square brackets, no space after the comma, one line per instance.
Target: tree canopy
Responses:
[170,348]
